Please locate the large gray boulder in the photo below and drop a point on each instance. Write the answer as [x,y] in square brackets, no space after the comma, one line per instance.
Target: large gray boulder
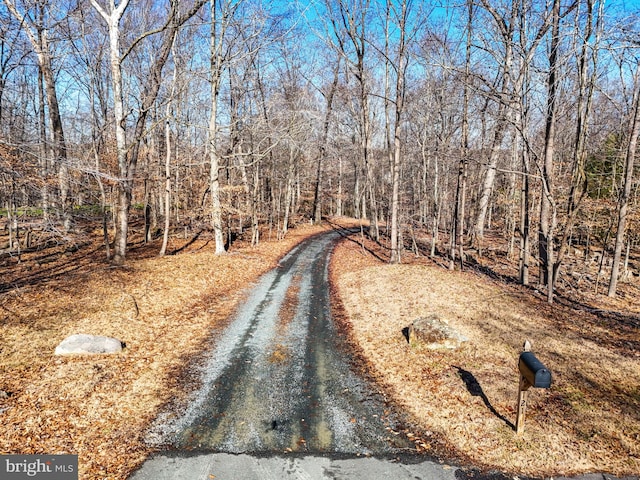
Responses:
[433,333]
[88,344]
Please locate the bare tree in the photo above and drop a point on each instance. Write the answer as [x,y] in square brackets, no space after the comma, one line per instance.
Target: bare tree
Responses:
[167,162]
[128,152]
[322,151]
[514,31]
[221,14]
[239,30]
[506,27]
[400,15]
[457,233]
[547,205]
[38,34]
[349,21]
[625,194]
[587,58]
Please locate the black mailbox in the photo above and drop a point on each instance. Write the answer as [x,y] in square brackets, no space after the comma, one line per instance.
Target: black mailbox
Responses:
[534,371]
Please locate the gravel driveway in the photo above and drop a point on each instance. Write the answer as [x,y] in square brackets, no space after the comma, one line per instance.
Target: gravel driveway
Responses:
[278,379]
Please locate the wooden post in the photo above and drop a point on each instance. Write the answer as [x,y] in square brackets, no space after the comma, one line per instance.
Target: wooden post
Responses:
[523,393]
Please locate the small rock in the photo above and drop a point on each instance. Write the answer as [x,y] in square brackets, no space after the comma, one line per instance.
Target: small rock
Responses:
[88,344]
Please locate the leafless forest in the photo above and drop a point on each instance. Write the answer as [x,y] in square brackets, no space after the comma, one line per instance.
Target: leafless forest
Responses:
[447,127]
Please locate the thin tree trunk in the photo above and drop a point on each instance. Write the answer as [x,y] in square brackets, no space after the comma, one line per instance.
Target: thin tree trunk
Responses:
[289,194]
[167,186]
[255,230]
[128,154]
[44,149]
[339,212]
[317,202]
[457,233]
[37,35]
[435,214]
[623,203]
[57,133]
[585,99]
[397,151]
[125,184]
[525,220]
[167,164]
[506,27]
[546,230]
[214,173]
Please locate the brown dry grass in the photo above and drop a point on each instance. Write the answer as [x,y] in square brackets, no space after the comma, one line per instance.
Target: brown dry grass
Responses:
[462,402]
[164,309]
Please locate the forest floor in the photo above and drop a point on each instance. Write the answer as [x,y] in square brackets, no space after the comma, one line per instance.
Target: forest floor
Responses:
[461,404]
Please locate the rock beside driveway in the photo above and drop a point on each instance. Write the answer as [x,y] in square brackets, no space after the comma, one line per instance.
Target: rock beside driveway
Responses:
[433,333]
[88,344]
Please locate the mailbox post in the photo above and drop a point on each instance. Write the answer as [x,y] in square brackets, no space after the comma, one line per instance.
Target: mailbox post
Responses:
[532,374]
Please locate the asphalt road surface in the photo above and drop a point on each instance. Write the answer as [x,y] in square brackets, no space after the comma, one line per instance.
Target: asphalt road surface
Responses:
[280,400]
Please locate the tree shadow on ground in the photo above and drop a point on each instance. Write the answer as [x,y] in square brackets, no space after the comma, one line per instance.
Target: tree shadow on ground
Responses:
[475,389]
[624,324]
[348,234]
[193,240]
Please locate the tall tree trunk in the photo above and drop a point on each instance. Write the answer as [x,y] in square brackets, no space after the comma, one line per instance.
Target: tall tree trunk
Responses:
[44,149]
[128,154]
[289,194]
[506,27]
[353,18]
[317,201]
[255,227]
[397,131]
[214,168]
[338,210]
[58,143]
[37,35]
[167,162]
[218,32]
[623,203]
[457,232]
[125,184]
[547,206]
[167,187]
[586,88]
[395,195]
[525,220]
[435,213]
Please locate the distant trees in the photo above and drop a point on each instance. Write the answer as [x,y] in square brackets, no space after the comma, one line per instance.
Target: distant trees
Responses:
[447,127]
[37,24]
